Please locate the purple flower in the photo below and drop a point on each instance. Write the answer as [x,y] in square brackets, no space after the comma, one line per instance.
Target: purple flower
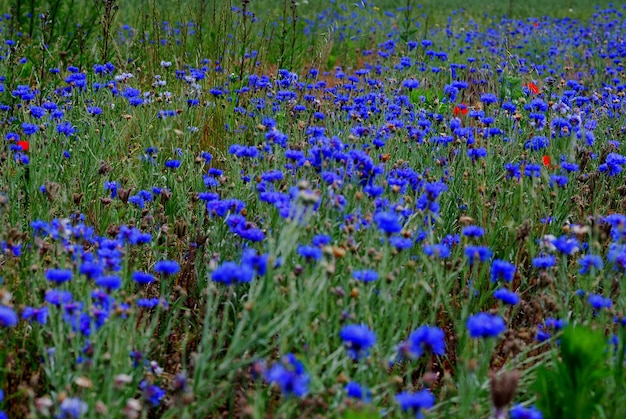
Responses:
[358,339]
[485,325]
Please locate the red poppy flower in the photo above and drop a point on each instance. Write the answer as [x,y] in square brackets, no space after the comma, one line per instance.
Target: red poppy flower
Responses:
[460,109]
[546,163]
[532,87]
[23,145]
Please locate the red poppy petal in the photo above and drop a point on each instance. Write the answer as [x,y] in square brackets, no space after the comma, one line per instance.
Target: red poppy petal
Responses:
[23,145]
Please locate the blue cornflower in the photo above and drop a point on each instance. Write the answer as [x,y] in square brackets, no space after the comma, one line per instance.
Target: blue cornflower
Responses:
[321,240]
[58,297]
[29,129]
[230,272]
[477,253]
[388,222]
[147,302]
[537,143]
[613,164]
[38,314]
[110,282]
[91,270]
[94,110]
[58,275]
[152,393]
[501,269]
[416,402]
[8,317]
[521,412]
[473,231]
[441,251]
[485,325]
[401,243]
[366,275]
[356,391]
[488,98]
[506,296]
[142,278]
[589,262]
[72,407]
[559,180]
[543,262]
[358,339]
[566,245]
[310,253]
[426,339]
[173,164]
[167,267]
[477,153]
[290,376]
[599,302]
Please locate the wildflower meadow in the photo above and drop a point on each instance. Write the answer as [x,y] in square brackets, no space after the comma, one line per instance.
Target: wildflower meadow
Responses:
[313,208]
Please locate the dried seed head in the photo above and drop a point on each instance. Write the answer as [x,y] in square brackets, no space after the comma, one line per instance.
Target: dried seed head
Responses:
[503,387]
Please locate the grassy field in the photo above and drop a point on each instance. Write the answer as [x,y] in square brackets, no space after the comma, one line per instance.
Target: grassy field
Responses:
[312,209]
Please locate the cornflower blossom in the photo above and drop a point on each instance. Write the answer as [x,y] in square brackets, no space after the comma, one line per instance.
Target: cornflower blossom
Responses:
[589,263]
[485,325]
[358,339]
[8,317]
[501,269]
[290,376]
[357,391]
[506,296]
[167,267]
[416,402]
[426,340]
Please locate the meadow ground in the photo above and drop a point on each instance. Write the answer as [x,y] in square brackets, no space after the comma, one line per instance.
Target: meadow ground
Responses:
[312,209]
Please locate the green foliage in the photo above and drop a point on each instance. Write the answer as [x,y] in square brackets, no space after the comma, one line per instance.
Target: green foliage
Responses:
[575,384]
